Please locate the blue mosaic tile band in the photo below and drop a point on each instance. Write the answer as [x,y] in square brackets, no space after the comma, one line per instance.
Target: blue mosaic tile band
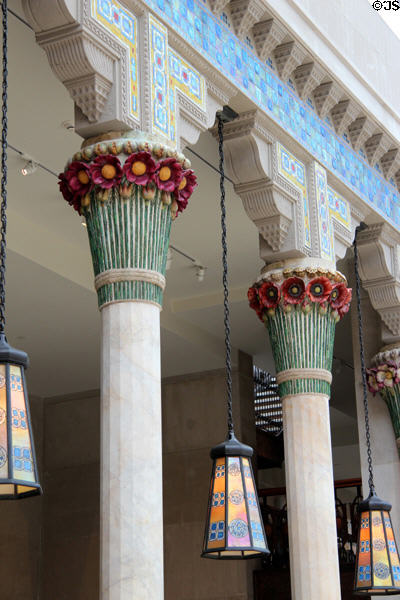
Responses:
[208,35]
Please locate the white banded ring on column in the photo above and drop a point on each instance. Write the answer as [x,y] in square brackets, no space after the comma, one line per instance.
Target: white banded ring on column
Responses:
[129,190]
[300,307]
[384,377]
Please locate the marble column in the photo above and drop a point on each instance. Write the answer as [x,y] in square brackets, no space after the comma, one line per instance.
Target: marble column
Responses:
[384,377]
[300,303]
[129,190]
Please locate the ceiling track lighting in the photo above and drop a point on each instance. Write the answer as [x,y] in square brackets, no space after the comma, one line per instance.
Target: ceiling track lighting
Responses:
[29,167]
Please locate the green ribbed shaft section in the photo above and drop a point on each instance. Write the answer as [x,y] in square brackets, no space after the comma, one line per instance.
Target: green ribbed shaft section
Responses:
[392,399]
[128,233]
[302,341]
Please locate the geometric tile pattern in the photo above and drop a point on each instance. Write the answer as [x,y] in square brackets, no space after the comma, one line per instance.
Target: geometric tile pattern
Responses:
[170,73]
[294,171]
[325,225]
[123,24]
[339,208]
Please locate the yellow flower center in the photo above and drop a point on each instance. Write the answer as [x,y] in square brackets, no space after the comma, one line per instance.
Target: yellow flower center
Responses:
[388,375]
[165,173]
[318,289]
[83,177]
[295,289]
[108,171]
[138,167]
[182,184]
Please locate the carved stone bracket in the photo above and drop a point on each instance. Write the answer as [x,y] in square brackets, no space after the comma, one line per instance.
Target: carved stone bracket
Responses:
[270,200]
[380,274]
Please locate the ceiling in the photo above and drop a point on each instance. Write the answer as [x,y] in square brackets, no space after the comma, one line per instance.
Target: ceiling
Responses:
[51,306]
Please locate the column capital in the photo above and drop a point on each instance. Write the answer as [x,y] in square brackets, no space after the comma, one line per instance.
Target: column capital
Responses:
[300,306]
[129,189]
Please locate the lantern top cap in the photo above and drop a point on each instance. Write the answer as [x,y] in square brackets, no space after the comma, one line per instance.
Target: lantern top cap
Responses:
[9,354]
[374,503]
[231,447]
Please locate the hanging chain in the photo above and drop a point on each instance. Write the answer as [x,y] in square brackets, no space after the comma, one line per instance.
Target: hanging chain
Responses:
[363,369]
[228,363]
[4,130]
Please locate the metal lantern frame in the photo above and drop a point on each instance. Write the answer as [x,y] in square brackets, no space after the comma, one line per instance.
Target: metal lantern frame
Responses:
[11,356]
[243,500]
[15,414]
[375,523]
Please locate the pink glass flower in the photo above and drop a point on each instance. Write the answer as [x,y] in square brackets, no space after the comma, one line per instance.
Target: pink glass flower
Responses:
[67,193]
[106,171]
[253,298]
[185,189]
[319,289]
[139,168]
[293,290]
[78,178]
[339,296]
[372,383]
[269,294]
[168,174]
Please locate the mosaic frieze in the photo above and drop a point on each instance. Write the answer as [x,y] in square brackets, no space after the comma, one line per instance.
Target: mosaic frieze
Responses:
[210,36]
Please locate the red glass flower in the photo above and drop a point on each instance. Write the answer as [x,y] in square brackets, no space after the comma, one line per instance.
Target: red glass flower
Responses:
[185,189]
[78,178]
[339,296]
[72,199]
[319,289]
[168,174]
[139,168]
[253,298]
[293,290]
[269,294]
[106,171]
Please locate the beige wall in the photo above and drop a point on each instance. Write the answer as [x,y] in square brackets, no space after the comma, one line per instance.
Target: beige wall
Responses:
[194,420]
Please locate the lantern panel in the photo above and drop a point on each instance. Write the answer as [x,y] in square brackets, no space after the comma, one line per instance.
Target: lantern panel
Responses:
[393,552]
[238,526]
[23,468]
[257,528]
[380,559]
[3,424]
[216,530]
[364,553]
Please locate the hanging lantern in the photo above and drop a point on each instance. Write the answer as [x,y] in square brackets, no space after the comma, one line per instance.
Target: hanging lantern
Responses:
[378,566]
[18,468]
[377,561]
[234,527]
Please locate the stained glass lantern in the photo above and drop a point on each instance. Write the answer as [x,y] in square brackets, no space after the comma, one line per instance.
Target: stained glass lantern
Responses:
[234,528]
[378,566]
[18,468]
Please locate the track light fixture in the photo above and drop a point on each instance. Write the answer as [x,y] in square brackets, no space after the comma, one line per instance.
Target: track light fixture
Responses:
[29,168]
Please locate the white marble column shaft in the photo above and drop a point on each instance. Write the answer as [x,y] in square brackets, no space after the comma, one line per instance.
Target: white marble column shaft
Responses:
[314,564]
[131,453]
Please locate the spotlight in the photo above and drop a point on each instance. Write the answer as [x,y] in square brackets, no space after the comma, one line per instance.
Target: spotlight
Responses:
[29,168]
[200,272]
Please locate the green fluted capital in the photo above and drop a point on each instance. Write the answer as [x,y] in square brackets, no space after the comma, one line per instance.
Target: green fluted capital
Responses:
[384,377]
[129,190]
[300,307]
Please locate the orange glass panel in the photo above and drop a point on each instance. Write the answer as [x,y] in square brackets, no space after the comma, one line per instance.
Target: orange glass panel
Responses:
[238,527]
[21,442]
[380,560]
[252,502]
[364,552]
[3,424]
[393,551]
[216,531]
